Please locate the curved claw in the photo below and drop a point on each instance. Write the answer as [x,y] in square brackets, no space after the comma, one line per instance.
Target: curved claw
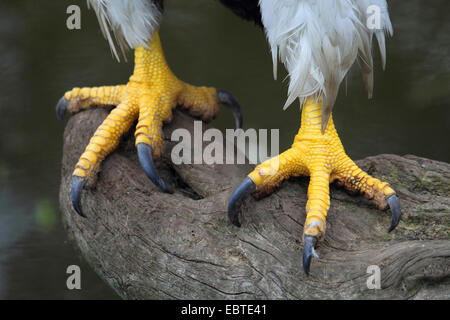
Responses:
[146,160]
[246,187]
[309,252]
[75,194]
[394,204]
[226,98]
[61,108]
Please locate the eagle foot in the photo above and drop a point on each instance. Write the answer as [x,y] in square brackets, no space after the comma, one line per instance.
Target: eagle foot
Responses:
[321,156]
[149,97]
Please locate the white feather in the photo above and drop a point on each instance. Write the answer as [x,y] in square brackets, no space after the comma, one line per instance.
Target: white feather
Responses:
[319,40]
[132,22]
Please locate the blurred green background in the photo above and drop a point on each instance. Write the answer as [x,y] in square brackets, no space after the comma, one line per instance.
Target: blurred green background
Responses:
[205,44]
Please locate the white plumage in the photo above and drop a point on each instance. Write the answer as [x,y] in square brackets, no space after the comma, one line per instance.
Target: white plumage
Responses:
[319,40]
[132,22]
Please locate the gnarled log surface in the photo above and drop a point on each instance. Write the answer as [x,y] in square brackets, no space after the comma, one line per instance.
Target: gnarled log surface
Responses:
[147,244]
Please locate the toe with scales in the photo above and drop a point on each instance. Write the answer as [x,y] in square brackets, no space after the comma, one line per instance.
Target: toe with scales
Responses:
[149,97]
[322,157]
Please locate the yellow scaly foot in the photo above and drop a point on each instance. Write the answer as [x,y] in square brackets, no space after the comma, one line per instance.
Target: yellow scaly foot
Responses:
[322,157]
[151,94]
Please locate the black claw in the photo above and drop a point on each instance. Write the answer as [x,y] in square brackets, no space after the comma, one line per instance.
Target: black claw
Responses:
[75,194]
[246,187]
[146,160]
[226,98]
[309,252]
[61,108]
[394,204]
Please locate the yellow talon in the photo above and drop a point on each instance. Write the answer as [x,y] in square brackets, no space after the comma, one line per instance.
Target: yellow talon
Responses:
[322,157]
[151,94]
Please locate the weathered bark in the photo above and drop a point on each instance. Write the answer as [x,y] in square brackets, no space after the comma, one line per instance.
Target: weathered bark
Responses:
[147,244]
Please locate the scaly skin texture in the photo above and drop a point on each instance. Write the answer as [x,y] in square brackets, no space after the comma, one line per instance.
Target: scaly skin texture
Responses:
[150,95]
[322,157]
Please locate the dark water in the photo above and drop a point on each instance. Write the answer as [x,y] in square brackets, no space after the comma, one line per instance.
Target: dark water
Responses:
[205,44]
